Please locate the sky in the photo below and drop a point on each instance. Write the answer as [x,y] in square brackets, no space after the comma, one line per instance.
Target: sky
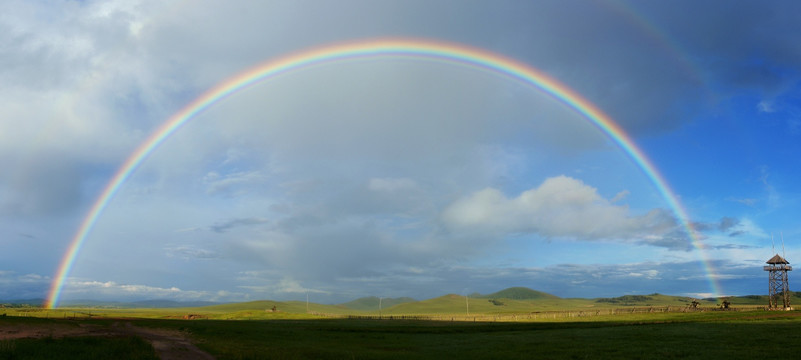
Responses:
[395,176]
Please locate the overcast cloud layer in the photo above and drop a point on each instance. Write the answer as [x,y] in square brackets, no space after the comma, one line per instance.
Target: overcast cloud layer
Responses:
[396,177]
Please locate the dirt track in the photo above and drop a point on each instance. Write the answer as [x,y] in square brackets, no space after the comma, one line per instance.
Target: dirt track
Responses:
[169,344]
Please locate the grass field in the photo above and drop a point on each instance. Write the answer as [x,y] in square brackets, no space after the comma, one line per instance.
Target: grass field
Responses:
[696,335]
[710,334]
[513,324]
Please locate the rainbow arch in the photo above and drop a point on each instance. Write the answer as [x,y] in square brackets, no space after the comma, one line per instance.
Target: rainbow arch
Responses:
[382,48]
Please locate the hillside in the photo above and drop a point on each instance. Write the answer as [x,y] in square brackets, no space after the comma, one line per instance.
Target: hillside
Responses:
[446,304]
[511,300]
[795,298]
[371,303]
[519,293]
[459,304]
[651,300]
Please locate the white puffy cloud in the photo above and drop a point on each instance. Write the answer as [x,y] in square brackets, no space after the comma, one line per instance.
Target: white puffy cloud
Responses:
[560,207]
[105,290]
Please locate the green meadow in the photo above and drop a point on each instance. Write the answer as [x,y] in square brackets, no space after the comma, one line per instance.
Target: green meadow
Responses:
[513,324]
[717,335]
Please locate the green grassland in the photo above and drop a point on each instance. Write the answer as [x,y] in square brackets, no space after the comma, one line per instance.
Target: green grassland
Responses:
[694,335]
[513,323]
[509,301]
[691,335]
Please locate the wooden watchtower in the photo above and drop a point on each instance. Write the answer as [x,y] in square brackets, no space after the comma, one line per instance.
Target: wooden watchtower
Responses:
[777,283]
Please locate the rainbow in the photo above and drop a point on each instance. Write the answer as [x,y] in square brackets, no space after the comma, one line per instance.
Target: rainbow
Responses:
[383,48]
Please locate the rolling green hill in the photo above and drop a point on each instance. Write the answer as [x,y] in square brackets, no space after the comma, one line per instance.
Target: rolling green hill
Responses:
[371,303]
[519,293]
[447,304]
[651,300]
[524,300]
[459,304]
[795,298]
[513,300]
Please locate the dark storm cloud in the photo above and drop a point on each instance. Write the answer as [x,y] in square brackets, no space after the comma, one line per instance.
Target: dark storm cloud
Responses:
[745,44]
[604,54]
[651,65]
[16,286]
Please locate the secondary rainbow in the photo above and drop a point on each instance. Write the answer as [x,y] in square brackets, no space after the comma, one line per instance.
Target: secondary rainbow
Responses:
[450,53]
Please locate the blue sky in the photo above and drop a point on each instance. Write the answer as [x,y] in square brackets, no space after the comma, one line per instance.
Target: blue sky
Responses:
[393,177]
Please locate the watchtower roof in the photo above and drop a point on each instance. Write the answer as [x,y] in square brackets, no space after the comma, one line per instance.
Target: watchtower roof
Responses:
[776,259]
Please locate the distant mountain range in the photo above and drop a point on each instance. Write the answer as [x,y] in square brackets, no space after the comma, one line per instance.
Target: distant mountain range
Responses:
[139,304]
[112,304]
[30,302]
